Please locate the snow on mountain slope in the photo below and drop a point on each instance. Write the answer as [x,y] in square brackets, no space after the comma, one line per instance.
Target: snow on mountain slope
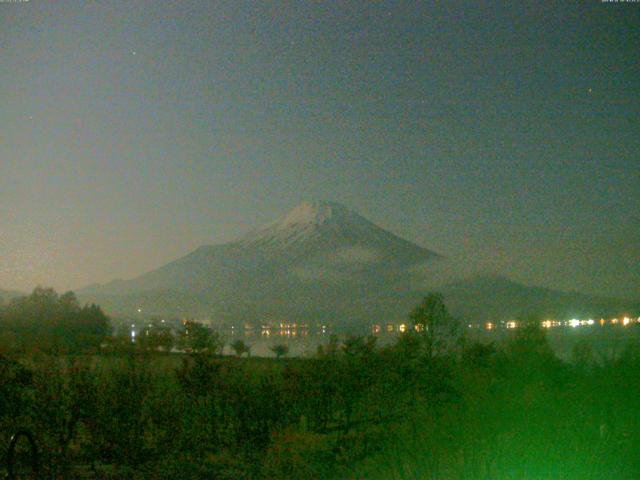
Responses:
[328,227]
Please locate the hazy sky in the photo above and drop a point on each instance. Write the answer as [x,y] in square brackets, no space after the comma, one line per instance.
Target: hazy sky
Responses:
[506,133]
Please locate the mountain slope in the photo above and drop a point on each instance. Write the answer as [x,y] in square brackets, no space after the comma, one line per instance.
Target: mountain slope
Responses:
[324,262]
[318,251]
[313,241]
[493,298]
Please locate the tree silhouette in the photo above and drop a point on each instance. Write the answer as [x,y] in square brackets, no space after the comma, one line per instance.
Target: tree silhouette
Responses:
[280,350]
[438,330]
[196,337]
[359,346]
[240,348]
[155,338]
[47,321]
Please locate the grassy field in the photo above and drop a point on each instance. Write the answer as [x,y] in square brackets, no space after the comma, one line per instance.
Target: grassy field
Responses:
[507,411]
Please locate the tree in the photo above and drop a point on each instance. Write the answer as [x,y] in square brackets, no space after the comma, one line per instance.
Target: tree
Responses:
[438,330]
[91,327]
[156,338]
[46,321]
[280,350]
[240,348]
[530,342]
[196,337]
[331,349]
[582,355]
[357,346]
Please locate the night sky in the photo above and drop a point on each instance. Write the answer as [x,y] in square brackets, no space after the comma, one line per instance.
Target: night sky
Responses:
[506,134]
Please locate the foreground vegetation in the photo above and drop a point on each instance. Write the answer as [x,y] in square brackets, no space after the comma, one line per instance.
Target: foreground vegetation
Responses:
[431,406]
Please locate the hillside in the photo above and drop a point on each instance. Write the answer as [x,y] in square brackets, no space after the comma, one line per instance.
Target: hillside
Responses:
[322,262]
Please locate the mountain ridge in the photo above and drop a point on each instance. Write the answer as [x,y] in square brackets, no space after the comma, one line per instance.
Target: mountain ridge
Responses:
[313,233]
[324,262]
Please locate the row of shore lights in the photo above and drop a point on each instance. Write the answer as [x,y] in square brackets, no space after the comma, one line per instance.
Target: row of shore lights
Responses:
[573,323]
[403,328]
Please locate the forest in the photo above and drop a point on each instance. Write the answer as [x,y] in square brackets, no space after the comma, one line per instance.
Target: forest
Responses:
[432,405]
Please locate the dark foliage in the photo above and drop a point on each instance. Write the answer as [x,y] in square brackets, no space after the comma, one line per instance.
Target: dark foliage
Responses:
[52,323]
[355,410]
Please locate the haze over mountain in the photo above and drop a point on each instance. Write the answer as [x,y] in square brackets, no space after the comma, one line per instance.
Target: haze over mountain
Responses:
[319,262]
[6,295]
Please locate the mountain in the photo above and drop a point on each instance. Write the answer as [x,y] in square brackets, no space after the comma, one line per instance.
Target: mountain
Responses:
[322,262]
[318,261]
[484,298]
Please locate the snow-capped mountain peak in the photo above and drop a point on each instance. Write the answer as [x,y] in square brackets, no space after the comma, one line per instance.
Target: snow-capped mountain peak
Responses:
[319,228]
[316,213]
[305,222]
[329,223]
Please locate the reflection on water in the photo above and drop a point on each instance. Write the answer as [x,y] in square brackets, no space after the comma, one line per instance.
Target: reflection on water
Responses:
[607,340]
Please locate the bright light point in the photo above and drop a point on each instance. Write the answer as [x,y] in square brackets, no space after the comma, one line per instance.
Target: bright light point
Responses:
[626,321]
[512,324]
[574,323]
[590,322]
[139,310]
